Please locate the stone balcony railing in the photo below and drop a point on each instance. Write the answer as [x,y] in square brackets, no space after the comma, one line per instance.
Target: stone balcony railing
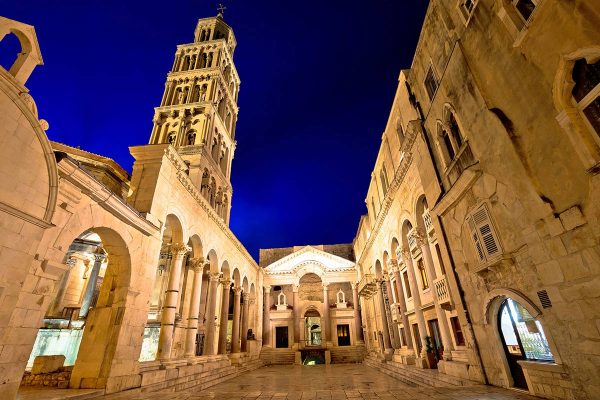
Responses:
[428,223]
[442,291]
[367,286]
[413,245]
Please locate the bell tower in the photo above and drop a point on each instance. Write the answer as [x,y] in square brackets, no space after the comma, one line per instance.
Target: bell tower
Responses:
[198,111]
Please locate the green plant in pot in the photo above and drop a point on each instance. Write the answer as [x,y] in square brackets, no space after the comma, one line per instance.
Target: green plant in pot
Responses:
[432,358]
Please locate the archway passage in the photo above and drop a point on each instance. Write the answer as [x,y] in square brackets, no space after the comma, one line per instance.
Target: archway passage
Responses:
[312,324]
[523,338]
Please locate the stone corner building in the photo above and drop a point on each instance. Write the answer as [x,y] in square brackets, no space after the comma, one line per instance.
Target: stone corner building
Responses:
[479,255]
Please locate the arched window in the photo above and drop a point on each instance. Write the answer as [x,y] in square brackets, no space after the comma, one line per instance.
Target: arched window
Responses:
[586,92]
[203,60]
[191,138]
[172,138]
[455,131]
[384,180]
[446,146]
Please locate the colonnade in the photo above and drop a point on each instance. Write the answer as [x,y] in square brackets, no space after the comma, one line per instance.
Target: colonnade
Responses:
[406,259]
[214,342]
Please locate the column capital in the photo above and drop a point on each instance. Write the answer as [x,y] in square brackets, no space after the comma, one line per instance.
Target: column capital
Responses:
[405,253]
[267,289]
[226,282]
[325,287]
[214,276]
[197,263]
[180,249]
[295,287]
[420,236]
[393,265]
[237,290]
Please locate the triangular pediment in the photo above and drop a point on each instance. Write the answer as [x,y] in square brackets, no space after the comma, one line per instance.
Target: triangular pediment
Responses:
[312,258]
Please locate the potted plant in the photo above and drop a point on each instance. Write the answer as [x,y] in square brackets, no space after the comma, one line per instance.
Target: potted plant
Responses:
[432,358]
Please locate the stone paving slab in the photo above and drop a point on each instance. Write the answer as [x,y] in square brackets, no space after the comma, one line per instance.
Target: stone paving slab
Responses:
[332,382]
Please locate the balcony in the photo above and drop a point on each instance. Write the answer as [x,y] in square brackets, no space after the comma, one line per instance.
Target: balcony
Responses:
[367,286]
[442,291]
[428,223]
[463,159]
[413,244]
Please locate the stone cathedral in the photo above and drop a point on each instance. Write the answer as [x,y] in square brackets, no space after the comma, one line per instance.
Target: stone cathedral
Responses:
[474,273]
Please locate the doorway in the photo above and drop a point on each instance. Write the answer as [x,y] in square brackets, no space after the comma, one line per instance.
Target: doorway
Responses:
[281,337]
[343,333]
[522,338]
[312,327]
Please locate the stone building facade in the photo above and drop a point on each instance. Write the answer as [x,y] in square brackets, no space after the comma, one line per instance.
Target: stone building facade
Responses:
[502,97]
[137,280]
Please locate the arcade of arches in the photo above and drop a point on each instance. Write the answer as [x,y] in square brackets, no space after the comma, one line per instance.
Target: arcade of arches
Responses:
[476,263]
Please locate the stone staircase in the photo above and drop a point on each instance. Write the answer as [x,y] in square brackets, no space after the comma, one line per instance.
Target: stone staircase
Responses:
[413,375]
[270,356]
[347,354]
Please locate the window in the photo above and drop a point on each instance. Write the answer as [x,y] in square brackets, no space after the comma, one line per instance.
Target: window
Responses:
[483,234]
[586,92]
[466,8]
[406,285]
[525,8]
[431,83]
[191,138]
[423,274]
[172,137]
[384,180]
[455,131]
[459,338]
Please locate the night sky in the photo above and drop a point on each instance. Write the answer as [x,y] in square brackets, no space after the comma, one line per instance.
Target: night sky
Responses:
[318,80]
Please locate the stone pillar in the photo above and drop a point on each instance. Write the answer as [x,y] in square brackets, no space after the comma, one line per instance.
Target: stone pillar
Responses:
[386,332]
[209,338]
[197,265]
[296,315]
[99,257]
[224,316]
[266,333]
[165,341]
[441,314]
[416,295]
[392,327]
[235,340]
[325,324]
[245,316]
[402,302]
[358,334]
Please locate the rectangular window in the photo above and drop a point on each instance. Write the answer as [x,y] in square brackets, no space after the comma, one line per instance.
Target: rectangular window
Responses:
[406,285]
[484,235]
[423,274]
[431,83]
[457,329]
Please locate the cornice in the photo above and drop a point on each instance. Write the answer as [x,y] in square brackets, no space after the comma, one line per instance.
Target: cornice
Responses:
[108,200]
[269,270]
[172,155]
[399,175]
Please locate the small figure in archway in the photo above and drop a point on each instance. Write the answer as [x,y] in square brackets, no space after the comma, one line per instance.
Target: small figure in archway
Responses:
[250,335]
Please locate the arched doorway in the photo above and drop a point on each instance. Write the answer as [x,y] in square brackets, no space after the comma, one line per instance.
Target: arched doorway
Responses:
[312,326]
[522,338]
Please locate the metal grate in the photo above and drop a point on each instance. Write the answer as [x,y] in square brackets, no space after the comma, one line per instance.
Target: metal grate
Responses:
[544,299]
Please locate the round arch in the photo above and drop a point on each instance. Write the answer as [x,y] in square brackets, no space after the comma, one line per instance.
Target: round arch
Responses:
[213,261]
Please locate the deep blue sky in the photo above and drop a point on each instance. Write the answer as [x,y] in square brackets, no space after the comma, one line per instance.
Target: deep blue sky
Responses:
[318,80]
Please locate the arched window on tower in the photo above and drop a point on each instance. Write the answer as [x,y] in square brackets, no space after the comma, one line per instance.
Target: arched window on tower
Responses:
[586,92]
[191,138]
[192,62]
[209,60]
[384,180]
[203,60]
[172,138]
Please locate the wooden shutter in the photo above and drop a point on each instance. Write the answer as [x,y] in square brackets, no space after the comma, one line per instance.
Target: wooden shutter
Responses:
[483,233]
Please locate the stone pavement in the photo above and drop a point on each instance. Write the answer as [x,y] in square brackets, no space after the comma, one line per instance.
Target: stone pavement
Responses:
[327,382]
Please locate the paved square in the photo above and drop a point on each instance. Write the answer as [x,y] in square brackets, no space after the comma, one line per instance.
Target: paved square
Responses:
[328,382]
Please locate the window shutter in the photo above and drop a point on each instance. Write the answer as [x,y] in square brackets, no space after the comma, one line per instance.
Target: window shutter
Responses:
[484,235]
[476,241]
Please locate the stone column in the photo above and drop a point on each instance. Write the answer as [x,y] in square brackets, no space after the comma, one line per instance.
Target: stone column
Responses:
[192,325]
[209,338]
[439,311]
[325,324]
[266,333]
[165,341]
[224,316]
[296,315]
[402,302]
[386,332]
[235,340]
[245,315]
[99,257]
[394,340]
[416,295]
[358,334]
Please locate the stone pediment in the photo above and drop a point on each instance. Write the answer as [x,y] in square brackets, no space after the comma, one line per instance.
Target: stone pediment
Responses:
[309,259]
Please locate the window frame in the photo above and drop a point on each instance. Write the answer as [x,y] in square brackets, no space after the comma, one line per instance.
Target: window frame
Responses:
[588,99]
[464,11]
[435,79]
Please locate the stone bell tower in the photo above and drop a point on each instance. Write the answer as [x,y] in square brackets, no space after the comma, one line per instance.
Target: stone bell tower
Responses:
[198,111]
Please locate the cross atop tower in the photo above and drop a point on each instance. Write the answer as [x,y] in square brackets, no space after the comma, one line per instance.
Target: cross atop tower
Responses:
[221,10]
